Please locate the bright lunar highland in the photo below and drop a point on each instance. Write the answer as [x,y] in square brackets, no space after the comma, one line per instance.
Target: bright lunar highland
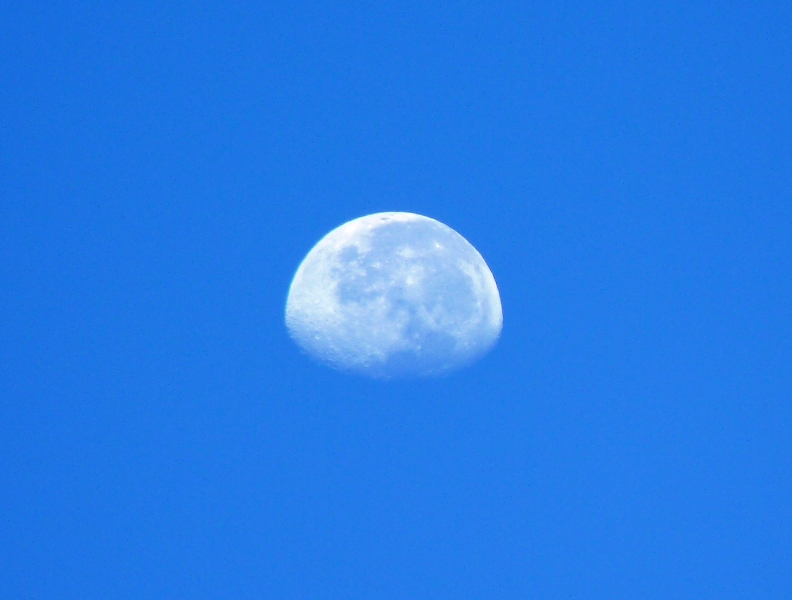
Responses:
[394,294]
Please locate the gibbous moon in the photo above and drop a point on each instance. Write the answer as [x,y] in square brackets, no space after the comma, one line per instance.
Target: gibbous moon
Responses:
[394,294]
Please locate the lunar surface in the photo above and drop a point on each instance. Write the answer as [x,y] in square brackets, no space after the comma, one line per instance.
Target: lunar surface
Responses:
[394,295]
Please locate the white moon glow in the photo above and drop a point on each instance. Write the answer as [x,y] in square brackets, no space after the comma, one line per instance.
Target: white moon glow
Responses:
[394,294]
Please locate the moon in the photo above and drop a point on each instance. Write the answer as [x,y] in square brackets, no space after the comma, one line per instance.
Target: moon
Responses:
[394,295]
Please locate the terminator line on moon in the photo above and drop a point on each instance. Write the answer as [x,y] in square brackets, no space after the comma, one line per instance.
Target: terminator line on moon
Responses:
[394,294]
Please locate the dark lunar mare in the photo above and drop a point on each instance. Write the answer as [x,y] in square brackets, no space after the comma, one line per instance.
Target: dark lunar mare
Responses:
[446,294]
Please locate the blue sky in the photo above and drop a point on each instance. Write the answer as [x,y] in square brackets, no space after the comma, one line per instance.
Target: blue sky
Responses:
[626,172]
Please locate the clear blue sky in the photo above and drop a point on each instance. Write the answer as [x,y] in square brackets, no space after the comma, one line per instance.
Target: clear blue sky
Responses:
[624,168]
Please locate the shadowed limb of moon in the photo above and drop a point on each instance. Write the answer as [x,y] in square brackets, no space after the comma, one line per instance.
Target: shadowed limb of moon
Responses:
[394,295]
